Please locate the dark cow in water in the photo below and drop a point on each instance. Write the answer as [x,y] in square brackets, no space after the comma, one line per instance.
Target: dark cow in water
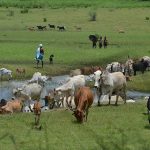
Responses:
[83,100]
[140,66]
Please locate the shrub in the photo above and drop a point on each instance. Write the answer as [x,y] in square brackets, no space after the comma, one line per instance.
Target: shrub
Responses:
[92,15]
[44,20]
[146,18]
[10,13]
[24,10]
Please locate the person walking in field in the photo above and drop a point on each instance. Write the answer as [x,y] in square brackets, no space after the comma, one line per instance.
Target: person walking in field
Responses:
[105,42]
[100,42]
[39,55]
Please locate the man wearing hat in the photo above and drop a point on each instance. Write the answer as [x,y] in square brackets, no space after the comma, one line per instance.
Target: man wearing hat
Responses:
[39,54]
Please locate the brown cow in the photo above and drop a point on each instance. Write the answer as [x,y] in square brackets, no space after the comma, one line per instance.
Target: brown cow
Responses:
[37,111]
[12,106]
[83,100]
[20,71]
[90,70]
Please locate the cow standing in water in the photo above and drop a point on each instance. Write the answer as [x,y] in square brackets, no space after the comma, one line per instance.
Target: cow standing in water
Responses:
[83,100]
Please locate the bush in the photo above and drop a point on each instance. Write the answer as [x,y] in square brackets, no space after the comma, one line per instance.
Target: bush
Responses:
[24,10]
[44,20]
[92,15]
[146,18]
[11,13]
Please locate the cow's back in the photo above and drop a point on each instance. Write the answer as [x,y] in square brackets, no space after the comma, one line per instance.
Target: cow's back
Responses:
[119,80]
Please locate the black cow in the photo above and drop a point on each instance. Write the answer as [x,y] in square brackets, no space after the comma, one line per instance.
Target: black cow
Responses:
[41,27]
[51,26]
[61,28]
[140,66]
[94,40]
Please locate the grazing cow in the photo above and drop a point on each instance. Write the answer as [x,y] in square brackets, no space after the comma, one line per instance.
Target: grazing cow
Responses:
[12,106]
[61,28]
[78,28]
[51,26]
[20,71]
[39,79]
[83,100]
[69,88]
[41,27]
[94,39]
[110,83]
[37,111]
[51,59]
[140,66]
[114,67]
[30,91]
[5,72]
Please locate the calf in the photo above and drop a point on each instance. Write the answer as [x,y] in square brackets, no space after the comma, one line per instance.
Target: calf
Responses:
[37,111]
[83,100]
[20,71]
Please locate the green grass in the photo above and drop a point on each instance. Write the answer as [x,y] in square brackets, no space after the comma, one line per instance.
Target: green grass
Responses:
[108,127]
[76,3]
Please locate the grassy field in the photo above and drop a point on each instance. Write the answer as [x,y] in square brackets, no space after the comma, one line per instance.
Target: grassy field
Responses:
[72,48]
[76,3]
[115,128]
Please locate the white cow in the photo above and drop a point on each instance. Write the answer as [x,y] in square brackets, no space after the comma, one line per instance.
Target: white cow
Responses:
[146,59]
[114,67]
[28,92]
[110,83]
[5,72]
[38,78]
[69,88]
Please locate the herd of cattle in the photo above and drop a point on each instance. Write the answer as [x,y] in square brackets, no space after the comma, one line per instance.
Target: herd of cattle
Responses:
[51,26]
[108,81]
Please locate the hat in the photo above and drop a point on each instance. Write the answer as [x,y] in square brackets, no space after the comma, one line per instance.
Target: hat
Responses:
[40,45]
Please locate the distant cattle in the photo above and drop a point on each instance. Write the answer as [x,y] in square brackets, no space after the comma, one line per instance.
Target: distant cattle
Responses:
[83,101]
[51,26]
[112,83]
[75,72]
[5,72]
[61,28]
[20,71]
[41,27]
[90,70]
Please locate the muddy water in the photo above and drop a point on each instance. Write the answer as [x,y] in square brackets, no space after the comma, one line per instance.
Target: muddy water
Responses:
[6,88]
